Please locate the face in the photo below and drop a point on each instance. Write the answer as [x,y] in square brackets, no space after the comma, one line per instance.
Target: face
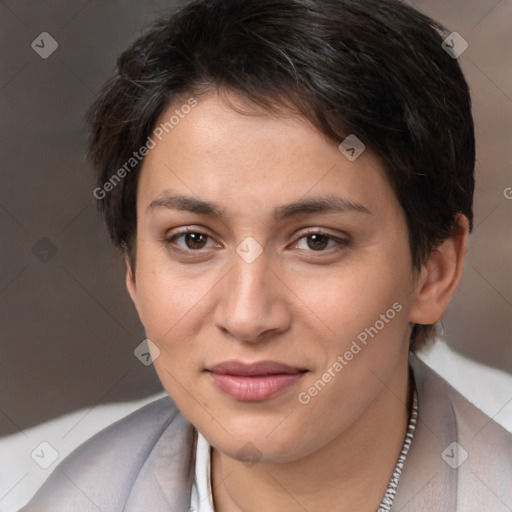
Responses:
[273,274]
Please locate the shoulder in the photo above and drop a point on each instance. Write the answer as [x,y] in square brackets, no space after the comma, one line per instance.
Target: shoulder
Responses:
[464,455]
[101,473]
[439,394]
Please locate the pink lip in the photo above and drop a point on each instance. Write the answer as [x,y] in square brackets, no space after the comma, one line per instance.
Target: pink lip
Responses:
[254,382]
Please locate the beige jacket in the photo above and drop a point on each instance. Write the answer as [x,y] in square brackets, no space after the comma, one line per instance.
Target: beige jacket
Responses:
[145,462]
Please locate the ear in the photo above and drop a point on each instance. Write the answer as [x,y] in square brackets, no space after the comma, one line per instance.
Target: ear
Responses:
[131,284]
[440,276]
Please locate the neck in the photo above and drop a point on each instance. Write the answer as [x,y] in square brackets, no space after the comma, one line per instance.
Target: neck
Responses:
[352,471]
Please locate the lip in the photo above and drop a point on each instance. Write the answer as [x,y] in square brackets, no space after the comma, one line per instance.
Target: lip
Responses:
[256,381]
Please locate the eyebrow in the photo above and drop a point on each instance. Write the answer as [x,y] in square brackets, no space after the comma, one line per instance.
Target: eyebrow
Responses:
[186,203]
[327,204]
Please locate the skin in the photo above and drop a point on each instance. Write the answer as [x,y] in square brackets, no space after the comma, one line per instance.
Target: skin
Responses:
[301,302]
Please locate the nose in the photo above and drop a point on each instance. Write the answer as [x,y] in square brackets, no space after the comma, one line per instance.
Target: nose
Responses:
[252,302]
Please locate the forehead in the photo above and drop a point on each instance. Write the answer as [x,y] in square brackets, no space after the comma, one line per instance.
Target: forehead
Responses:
[216,152]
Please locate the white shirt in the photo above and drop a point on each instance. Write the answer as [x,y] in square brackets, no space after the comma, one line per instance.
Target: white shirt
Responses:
[201,497]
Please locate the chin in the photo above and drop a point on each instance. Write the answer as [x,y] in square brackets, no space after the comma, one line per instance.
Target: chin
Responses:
[256,445]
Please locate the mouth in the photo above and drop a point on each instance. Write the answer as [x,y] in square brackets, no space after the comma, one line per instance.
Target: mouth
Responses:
[254,382]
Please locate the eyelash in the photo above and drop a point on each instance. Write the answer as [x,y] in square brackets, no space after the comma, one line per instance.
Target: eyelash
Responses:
[340,242]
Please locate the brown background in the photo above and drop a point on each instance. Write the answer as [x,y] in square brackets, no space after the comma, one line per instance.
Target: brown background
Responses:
[67,328]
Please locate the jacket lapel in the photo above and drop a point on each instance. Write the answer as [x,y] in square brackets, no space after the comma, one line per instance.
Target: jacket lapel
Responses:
[164,482]
[428,482]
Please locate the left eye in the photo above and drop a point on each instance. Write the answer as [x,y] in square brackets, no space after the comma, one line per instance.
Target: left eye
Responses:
[318,242]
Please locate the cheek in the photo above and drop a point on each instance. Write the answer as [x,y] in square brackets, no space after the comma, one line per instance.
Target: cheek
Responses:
[169,314]
[348,299]
[168,299]
[369,324]
[170,307]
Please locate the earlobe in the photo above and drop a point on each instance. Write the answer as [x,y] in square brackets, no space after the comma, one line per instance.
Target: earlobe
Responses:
[440,276]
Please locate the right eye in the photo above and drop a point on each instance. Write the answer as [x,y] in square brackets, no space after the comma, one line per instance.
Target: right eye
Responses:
[190,241]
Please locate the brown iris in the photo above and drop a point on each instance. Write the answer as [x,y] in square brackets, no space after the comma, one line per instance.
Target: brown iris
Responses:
[317,242]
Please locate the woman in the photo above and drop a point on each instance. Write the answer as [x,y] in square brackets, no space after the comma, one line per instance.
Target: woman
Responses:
[291,184]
